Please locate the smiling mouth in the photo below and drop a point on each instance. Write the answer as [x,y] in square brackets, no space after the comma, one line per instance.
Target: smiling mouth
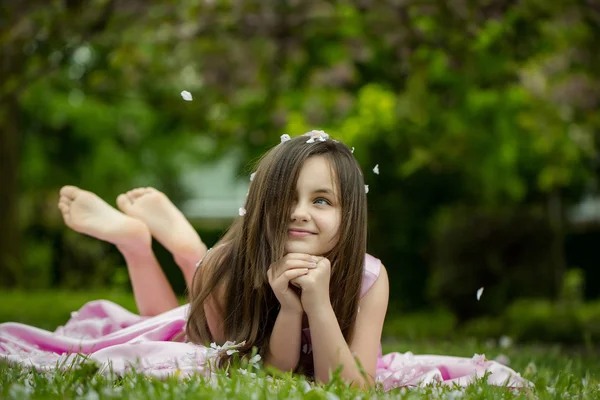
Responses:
[299,233]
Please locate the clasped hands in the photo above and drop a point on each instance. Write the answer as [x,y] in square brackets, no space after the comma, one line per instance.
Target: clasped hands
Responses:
[311,274]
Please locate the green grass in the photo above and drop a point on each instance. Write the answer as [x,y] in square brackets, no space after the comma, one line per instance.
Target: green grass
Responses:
[556,371]
[554,376]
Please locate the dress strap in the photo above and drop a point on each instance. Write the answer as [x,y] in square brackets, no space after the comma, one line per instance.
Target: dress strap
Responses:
[370,274]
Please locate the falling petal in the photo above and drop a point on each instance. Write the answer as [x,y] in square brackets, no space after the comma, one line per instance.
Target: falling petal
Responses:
[187,96]
[252,175]
[285,137]
[479,293]
[376,169]
[366,188]
[242,211]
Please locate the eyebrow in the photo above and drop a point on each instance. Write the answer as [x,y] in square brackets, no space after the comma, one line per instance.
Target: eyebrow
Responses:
[328,191]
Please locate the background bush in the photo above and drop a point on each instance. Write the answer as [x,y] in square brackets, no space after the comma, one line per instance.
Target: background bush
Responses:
[481,117]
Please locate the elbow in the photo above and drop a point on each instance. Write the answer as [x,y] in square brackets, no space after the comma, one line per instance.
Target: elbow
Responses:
[362,383]
[356,381]
[280,365]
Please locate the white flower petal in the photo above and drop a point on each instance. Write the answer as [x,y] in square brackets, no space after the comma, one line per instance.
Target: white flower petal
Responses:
[285,137]
[242,211]
[366,188]
[311,140]
[352,151]
[252,175]
[376,169]
[505,342]
[187,96]
[254,359]
[479,293]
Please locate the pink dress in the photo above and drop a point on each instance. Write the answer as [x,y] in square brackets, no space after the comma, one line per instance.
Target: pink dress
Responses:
[107,333]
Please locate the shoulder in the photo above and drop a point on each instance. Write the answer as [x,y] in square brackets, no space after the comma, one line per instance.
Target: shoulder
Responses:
[373,268]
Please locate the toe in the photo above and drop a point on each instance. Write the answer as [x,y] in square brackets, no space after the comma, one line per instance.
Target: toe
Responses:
[69,191]
[65,201]
[123,202]
[64,208]
[131,195]
[135,193]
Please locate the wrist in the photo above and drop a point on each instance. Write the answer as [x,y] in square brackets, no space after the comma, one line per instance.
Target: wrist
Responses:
[320,310]
[291,312]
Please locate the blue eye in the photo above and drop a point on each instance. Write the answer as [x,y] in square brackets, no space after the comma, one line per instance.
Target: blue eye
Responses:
[323,201]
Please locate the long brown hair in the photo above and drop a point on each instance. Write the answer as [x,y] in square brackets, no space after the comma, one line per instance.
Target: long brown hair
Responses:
[240,260]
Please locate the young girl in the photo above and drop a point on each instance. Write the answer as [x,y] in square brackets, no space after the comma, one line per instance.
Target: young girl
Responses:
[291,277]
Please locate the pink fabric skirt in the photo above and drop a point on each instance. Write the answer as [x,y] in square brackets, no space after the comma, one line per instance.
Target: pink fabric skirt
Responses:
[120,340]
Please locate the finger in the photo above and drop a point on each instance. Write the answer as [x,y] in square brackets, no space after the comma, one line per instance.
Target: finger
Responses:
[302,256]
[298,281]
[280,268]
[293,274]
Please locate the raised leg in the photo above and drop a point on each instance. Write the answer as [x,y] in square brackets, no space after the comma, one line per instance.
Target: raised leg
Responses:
[86,213]
[168,225]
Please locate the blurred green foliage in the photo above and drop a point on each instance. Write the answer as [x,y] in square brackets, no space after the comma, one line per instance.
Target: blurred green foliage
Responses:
[481,117]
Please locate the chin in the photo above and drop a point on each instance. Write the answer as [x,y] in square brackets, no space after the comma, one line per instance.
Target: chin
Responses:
[300,248]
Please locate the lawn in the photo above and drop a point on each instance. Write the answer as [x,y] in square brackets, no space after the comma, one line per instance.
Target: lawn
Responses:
[556,371]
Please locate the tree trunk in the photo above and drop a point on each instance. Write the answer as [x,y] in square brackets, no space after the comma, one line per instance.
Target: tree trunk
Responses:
[555,214]
[9,172]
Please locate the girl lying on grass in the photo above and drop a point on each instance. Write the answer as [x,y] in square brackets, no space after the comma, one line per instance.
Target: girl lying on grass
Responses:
[290,278]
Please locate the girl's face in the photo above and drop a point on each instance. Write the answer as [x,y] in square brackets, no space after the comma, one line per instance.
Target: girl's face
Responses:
[316,211]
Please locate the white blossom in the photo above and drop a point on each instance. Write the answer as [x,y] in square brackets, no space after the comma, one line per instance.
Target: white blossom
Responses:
[366,188]
[187,96]
[316,135]
[352,151]
[479,293]
[252,175]
[478,359]
[505,342]
[254,360]
[376,169]
[242,211]
[285,137]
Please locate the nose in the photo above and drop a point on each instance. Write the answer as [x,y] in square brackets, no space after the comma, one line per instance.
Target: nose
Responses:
[300,212]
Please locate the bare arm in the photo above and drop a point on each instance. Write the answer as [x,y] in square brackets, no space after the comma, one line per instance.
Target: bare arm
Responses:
[330,348]
[284,346]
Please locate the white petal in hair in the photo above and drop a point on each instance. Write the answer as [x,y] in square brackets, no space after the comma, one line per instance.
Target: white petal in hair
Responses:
[366,188]
[285,137]
[252,175]
[242,211]
[316,135]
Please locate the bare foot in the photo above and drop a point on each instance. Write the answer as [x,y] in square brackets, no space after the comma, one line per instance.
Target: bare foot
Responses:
[166,223]
[87,213]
